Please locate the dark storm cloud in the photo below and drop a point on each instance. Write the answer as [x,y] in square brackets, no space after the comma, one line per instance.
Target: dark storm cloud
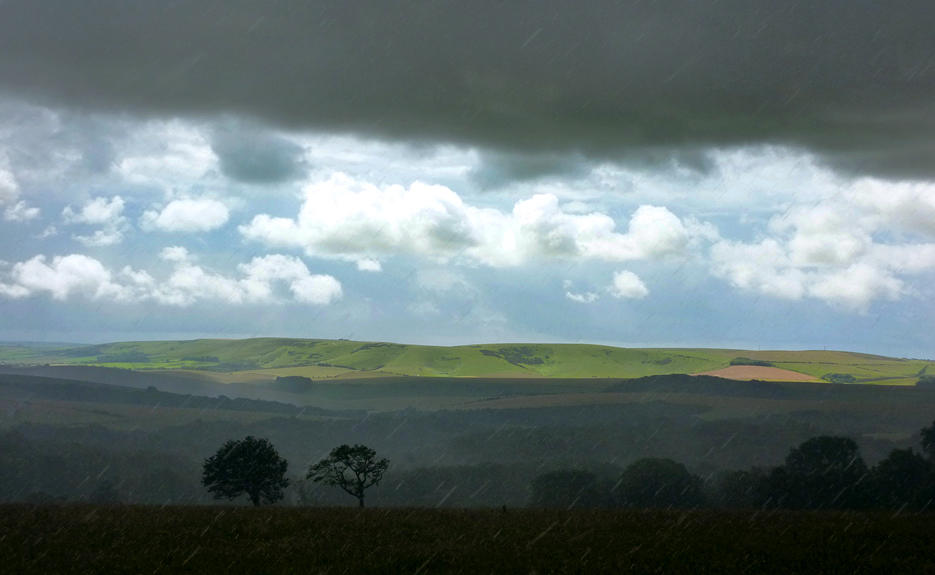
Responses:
[850,78]
[499,168]
[252,156]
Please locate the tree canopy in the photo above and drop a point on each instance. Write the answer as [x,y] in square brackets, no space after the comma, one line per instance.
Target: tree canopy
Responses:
[903,479]
[353,469]
[821,473]
[928,441]
[658,482]
[250,466]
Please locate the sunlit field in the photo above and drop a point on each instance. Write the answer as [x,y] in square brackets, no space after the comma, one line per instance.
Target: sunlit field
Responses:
[132,539]
[263,359]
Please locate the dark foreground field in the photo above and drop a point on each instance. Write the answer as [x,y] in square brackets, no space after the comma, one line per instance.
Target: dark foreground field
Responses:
[134,539]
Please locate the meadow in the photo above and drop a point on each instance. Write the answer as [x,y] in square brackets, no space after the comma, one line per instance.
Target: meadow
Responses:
[264,359]
[228,539]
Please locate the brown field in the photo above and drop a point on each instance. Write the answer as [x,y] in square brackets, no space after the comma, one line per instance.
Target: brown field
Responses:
[751,372]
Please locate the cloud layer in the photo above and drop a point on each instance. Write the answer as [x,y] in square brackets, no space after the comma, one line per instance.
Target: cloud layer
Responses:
[450,244]
[852,78]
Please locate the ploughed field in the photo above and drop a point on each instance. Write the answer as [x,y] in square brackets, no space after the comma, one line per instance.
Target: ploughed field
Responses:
[227,539]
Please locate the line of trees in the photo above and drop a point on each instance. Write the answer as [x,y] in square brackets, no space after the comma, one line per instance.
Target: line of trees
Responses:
[828,472]
[825,472]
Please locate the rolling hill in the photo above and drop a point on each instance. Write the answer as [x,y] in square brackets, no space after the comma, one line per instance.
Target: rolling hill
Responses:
[264,359]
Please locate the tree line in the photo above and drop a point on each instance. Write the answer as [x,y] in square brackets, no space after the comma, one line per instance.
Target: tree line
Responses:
[824,472]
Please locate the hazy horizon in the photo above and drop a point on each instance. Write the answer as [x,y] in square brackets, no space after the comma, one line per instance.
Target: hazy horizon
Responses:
[191,337]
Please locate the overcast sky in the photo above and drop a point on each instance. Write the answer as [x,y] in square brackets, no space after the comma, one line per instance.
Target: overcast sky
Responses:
[723,173]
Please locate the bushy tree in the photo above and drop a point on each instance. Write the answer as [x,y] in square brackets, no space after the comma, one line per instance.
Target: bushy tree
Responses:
[822,473]
[928,441]
[566,488]
[658,482]
[903,479]
[250,466]
[353,469]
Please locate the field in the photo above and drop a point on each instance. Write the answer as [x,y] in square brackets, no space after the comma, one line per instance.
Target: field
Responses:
[131,539]
[263,359]
[712,398]
[751,372]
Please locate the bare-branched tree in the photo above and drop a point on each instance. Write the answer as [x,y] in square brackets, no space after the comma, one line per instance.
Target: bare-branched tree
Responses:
[353,469]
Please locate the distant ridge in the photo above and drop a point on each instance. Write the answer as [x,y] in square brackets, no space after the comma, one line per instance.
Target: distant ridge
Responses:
[264,359]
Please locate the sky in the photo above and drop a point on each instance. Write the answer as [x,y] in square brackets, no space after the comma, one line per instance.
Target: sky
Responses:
[691,173]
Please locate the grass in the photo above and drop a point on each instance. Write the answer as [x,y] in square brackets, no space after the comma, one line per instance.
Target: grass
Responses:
[349,359]
[136,539]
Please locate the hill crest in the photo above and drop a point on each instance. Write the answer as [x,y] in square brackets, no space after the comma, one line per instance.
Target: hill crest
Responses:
[226,360]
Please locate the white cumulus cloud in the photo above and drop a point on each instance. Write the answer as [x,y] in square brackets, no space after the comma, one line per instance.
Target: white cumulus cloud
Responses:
[65,276]
[188,283]
[174,254]
[350,219]
[99,212]
[848,250]
[187,215]
[20,212]
[167,154]
[369,265]
[9,187]
[627,285]
[584,297]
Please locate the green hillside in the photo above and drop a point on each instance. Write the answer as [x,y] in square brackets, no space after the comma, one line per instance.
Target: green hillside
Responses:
[321,359]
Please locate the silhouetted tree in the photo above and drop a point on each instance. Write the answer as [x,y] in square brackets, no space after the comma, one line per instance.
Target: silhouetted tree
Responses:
[656,482]
[821,473]
[566,488]
[250,466]
[928,441]
[353,469]
[903,479]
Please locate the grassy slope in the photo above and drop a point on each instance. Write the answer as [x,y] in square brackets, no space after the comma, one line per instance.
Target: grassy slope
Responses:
[342,358]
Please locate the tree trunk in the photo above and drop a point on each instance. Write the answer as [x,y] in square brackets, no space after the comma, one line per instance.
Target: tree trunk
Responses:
[360,500]
[255,498]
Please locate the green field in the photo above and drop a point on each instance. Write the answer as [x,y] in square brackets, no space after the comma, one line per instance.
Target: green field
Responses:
[267,358]
[226,539]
